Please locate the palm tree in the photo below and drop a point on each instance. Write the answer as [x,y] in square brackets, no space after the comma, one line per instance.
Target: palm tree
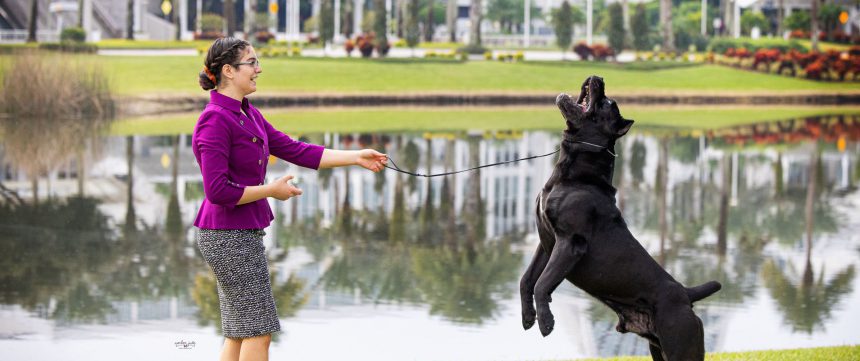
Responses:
[451,20]
[813,18]
[666,21]
[129,21]
[780,17]
[230,17]
[428,28]
[475,17]
[34,16]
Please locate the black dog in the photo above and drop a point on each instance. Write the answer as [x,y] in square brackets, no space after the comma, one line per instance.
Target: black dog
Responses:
[584,239]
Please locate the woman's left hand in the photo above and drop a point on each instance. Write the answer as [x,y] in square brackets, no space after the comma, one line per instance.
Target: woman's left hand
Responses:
[371,159]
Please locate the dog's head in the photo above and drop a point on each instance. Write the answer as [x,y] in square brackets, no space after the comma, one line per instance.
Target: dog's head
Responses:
[593,116]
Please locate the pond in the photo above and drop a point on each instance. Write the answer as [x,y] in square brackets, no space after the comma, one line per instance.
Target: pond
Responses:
[103,264]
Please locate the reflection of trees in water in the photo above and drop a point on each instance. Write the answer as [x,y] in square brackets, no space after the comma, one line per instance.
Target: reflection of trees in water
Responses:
[381,272]
[432,257]
[38,146]
[805,301]
[464,285]
[60,251]
[461,284]
[807,305]
[289,298]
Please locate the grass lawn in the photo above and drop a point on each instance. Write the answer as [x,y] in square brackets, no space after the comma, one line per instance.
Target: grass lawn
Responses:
[840,353]
[150,44]
[303,121]
[178,75]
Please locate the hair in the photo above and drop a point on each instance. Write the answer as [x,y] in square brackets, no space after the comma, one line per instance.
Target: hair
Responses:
[223,51]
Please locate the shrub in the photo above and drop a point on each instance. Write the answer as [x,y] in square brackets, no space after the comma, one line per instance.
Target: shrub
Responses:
[349,46]
[74,34]
[210,22]
[208,35]
[49,85]
[602,52]
[473,49]
[296,51]
[382,49]
[583,50]
[70,47]
[720,45]
[364,43]
[615,32]
[263,37]
[488,55]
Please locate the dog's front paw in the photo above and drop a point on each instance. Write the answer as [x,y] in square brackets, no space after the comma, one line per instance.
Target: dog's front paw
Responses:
[546,323]
[528,319]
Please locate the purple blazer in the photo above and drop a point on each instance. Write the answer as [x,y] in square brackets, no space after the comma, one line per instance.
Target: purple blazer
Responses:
[233,151]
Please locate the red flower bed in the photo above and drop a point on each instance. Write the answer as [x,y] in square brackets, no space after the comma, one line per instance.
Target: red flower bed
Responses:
[766,57]
[602,52]
[583,50]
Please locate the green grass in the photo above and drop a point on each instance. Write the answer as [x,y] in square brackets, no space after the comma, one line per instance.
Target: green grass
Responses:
[840,353]
[138,75]
[303,121]
[151,44]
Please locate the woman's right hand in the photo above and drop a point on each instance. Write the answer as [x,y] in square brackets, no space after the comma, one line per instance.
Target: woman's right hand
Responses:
[282,189]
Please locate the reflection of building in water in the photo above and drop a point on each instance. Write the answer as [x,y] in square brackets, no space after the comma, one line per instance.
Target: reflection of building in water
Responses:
[508,190]
[695,172]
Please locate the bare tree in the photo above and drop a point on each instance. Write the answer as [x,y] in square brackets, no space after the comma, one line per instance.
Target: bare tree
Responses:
[34,17]
[666,21]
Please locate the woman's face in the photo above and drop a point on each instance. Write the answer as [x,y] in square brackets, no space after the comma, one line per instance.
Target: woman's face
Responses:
[246,72]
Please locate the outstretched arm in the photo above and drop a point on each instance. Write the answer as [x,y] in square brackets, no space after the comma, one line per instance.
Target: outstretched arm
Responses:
[367,158]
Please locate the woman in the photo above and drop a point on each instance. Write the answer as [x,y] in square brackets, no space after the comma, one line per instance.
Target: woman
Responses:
[232,142]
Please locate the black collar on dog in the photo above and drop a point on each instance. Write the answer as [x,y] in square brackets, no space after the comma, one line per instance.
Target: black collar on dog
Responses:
[569,138]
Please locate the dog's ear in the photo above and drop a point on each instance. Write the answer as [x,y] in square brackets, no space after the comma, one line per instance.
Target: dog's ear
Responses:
[625,126]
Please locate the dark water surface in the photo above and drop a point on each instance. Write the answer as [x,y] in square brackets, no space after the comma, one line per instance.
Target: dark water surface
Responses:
[103,265]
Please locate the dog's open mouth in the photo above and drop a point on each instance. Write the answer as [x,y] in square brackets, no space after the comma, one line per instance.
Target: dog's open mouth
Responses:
[583,103]
[591,89]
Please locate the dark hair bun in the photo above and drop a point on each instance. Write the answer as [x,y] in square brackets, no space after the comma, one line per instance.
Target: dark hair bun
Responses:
[205,82]
[223,51]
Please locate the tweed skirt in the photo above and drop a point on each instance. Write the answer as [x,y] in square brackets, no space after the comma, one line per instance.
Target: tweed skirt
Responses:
[237,258]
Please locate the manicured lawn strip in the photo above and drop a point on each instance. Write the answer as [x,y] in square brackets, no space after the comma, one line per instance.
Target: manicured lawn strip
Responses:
[302,121]
[151,44]
[838,353]
[171,75]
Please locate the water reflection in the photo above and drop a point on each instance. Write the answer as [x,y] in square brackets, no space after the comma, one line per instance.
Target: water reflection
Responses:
[109,240]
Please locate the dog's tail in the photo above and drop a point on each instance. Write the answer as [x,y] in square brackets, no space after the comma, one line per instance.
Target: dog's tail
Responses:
[703,290]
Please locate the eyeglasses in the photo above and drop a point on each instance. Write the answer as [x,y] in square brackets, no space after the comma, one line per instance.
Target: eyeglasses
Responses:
[255,63]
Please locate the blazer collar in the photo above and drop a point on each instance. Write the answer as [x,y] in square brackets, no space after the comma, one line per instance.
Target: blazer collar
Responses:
[227,102]
[236,107]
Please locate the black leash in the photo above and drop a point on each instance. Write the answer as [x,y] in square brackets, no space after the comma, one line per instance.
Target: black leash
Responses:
[397,169]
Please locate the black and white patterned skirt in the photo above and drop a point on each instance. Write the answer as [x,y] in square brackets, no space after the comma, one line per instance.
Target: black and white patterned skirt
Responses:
[237,258]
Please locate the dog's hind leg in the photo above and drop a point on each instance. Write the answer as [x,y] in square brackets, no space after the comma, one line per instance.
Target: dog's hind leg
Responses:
[527,285]
[565,254]
[679,330]
[656,352]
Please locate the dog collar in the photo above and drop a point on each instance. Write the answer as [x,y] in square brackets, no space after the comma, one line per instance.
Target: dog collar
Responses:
[569,138]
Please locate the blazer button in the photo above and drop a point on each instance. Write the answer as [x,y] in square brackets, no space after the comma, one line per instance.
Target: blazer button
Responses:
[241,122]
[260,161]
[254,139]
